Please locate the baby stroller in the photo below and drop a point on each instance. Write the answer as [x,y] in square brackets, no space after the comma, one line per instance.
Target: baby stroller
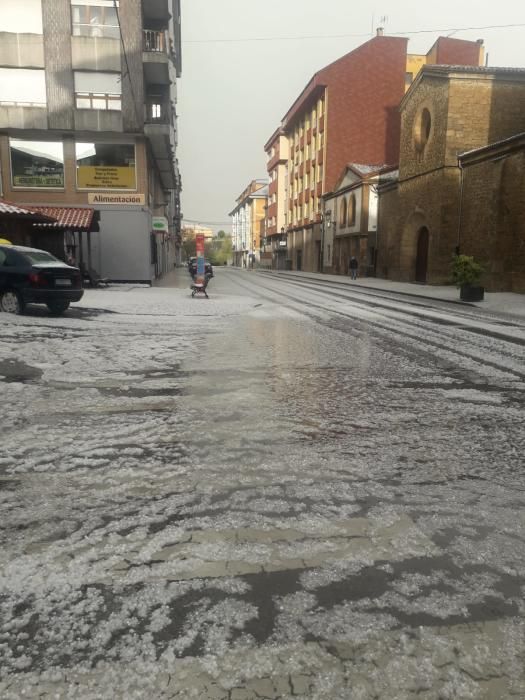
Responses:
[200,287]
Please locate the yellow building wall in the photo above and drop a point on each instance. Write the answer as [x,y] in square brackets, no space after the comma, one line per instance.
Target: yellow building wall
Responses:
[415,63]
[258,216]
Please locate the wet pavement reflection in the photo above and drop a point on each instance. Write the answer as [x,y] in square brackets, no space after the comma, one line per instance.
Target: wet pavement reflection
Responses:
[274,493]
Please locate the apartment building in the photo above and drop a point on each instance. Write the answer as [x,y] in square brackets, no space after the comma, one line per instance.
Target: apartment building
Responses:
[277,152]
[248,223]
[88,121]
[347,113]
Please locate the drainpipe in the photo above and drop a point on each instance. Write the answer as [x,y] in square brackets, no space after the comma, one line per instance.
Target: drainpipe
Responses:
[461,186]
[323,218]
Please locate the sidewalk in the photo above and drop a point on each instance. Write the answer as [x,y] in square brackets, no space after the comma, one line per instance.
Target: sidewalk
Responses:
[178,277]
[494,302]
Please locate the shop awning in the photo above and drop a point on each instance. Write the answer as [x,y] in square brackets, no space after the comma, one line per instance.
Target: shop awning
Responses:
[13,211]
[72,218]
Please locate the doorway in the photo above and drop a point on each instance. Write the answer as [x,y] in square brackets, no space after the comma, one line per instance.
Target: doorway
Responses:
[422,255]
[299,260]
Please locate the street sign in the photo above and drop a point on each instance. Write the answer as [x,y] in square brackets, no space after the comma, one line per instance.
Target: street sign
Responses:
[199,245]
[159,224]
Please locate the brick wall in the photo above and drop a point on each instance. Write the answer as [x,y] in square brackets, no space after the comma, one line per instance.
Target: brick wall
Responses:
[387,234]
[430,201]
[493,220]
[364,89]
[457,52]
[430,94]
[483,110]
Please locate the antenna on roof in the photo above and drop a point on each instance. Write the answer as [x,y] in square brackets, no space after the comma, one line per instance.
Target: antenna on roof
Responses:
[381,27]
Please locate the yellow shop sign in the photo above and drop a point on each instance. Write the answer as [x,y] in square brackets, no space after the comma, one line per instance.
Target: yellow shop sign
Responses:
[106,177]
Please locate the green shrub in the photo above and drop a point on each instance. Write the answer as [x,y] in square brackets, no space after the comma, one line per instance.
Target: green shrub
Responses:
[465,270]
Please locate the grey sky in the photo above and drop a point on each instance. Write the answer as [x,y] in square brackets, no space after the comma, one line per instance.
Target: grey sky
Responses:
[232,95]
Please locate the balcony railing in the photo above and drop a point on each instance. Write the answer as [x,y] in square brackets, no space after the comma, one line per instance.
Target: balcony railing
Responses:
[154,41]
[9,103]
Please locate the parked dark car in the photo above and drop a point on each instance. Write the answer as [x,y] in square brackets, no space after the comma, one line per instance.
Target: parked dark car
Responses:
[31,276]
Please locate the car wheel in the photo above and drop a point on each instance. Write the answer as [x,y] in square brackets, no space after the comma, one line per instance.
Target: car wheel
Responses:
[57,307]
[12,303]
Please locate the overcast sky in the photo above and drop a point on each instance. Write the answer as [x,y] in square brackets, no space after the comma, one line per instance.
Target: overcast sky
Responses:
[233,94]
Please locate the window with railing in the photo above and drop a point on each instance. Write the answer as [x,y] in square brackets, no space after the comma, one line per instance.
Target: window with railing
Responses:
[157,110]
[95,100]
[98,90]
[154,41]
[96,18]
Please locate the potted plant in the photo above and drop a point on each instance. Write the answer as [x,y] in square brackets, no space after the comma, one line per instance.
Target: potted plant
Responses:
[466,273]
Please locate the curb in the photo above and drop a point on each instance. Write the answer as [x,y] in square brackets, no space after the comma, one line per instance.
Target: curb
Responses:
[349,285]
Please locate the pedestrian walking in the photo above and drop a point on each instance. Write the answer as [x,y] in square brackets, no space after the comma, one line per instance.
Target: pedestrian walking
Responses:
[353,267]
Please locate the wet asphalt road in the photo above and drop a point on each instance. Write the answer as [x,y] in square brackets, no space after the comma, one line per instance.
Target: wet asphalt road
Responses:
[289,490]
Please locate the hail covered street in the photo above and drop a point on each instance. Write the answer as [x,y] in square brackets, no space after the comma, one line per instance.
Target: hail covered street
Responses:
[291,489]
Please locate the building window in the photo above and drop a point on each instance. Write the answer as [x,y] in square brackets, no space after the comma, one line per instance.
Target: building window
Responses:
[105,166]
[23,87]
[96,18]
[342,212]
[97,90]
[22,16]
[37,163]
[352,209]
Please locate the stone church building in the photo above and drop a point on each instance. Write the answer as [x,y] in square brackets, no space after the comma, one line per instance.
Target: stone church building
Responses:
[461,178]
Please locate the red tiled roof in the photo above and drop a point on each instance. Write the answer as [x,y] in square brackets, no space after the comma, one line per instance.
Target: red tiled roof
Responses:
[10,209]
[76,218]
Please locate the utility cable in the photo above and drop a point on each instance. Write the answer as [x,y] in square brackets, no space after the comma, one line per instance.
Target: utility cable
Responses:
[138,111]
[453,30]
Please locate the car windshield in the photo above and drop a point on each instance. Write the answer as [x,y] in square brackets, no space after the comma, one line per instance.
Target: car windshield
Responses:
[38,256]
